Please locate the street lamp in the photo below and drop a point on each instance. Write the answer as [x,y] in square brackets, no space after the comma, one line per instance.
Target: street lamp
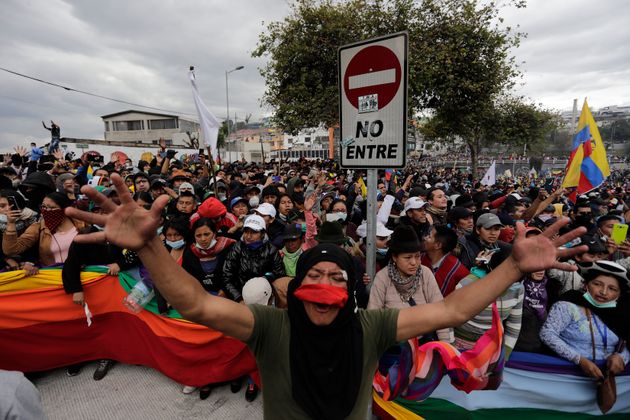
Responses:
[227,96]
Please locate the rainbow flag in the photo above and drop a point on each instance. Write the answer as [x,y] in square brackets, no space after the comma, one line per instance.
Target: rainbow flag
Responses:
[534,386]
[41,329]
[587,167]
[417,371]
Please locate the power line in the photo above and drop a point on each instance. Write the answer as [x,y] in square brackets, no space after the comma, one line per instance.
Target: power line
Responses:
[93,94]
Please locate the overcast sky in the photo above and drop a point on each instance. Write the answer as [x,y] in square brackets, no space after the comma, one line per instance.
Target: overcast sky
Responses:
[140,50]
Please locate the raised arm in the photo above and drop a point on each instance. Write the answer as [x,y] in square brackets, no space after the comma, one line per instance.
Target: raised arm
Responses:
[131,227]
[528,255]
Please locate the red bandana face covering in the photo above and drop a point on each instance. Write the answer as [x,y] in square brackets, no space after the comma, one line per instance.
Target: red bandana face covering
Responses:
[53,218]
[324,294]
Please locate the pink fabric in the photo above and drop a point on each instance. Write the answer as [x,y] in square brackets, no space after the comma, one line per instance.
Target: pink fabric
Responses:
[60,244]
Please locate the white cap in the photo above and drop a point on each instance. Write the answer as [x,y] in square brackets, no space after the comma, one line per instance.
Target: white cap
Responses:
[254,222]
[257,290]
[381,230]
[186,186]
[414,203]
[266,209]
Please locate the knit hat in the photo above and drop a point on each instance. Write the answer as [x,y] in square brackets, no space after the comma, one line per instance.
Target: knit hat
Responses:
[331,233]
[404,239]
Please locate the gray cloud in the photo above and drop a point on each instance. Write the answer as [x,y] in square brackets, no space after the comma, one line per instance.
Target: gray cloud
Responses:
[140,51]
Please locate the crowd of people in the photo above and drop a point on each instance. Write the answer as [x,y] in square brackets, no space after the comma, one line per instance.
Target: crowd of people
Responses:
[262,233]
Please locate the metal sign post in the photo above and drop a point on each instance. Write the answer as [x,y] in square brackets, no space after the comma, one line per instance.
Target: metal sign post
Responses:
[372,209]
[373,115]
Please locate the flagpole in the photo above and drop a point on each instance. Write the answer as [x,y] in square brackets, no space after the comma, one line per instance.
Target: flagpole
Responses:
[214,176]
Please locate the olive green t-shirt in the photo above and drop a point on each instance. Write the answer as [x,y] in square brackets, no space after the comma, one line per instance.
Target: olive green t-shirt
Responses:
[270,344]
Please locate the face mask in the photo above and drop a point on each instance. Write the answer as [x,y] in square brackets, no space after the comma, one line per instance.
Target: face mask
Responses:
[325,294]
[213,242]
[336,217]
[3,218]
[176,244]
[53,218]
[222,196]
[545,217]
[254,201]
[607,305]
[382,251]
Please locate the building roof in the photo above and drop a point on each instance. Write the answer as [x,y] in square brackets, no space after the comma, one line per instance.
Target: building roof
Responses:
[129,111]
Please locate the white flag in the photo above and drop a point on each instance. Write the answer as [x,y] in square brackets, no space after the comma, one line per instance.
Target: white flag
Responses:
[490,178]
[207,120]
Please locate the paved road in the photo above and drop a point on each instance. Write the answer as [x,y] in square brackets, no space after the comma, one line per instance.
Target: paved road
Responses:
[138,393]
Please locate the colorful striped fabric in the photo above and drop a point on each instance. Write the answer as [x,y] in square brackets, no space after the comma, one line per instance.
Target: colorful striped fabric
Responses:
[534,387]
[587,167]
[418,371]
[42,329]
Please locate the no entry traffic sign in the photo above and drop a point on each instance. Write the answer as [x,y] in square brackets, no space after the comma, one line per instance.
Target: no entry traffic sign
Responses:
[373,102]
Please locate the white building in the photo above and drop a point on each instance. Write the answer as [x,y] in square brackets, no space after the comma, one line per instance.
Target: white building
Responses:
[148,127]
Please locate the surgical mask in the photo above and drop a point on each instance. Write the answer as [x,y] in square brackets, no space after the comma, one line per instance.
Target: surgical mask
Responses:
[222,196]
[176,244]
[382,251]
[336,217]
[592,301]
[254,201]
[3,218]
[213,242]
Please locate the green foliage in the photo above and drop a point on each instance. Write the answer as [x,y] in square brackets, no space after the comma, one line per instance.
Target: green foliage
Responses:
[460,65]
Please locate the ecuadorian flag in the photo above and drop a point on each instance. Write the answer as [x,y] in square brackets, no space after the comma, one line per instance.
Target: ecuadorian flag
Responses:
[587,167]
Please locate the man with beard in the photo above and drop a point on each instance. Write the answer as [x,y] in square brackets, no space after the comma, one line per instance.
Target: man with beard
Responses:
[317,358]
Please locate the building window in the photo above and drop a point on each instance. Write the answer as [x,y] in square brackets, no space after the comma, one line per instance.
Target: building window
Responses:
[307,139]
[168,124]
[128,125]
[106,125]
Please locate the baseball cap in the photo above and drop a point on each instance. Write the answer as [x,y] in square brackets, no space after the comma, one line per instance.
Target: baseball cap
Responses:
[266,209]
[414,203]
[254,222]
[488,220]
[292,231]
[186,186]
[381,230]
[257,291]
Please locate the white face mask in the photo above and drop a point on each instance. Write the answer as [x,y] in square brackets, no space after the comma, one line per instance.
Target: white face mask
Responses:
[337,216]
[222,196]
[213,242]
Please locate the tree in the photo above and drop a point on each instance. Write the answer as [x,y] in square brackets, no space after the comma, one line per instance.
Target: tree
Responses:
[459,60]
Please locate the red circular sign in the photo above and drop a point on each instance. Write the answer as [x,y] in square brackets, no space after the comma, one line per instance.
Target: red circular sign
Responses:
[365,81]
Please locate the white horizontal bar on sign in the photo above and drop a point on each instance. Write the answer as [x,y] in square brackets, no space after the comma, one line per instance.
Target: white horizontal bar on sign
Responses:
[381,77]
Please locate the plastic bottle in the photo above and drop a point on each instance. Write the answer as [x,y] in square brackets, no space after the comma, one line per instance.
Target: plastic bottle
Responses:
[139,296]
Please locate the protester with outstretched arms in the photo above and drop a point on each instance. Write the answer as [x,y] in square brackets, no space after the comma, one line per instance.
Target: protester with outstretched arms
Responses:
[331,349]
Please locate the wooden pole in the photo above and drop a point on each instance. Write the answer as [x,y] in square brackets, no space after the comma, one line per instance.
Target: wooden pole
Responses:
[214,176]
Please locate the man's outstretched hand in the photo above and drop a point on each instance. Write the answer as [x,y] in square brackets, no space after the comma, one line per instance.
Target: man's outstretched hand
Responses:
[127,225]
[541,252]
